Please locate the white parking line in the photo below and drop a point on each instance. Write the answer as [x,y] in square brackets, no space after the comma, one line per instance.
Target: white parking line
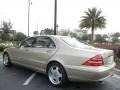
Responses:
[116,76]
[29,79]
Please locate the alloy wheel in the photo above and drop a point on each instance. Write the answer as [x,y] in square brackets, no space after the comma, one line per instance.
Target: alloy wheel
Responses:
[55,75]
[6,60]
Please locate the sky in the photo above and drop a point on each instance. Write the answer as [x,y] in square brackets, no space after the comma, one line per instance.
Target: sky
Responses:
[68,16]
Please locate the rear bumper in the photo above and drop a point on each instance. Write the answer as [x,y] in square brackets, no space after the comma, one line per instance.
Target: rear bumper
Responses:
[85,73]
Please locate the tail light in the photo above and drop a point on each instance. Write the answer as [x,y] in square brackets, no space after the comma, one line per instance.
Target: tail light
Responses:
[95,61]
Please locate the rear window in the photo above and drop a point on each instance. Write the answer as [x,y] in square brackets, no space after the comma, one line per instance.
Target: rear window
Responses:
[74,42]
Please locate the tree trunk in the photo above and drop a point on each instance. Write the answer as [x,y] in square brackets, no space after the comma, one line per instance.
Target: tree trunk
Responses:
[92,37]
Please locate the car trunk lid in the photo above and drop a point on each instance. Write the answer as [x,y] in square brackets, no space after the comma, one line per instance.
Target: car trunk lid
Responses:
[107,55]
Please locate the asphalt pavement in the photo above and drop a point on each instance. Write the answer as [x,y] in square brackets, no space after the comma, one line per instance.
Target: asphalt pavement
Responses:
[18,78]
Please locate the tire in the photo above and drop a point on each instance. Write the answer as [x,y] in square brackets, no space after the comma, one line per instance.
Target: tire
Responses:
[6,60]
[57,75]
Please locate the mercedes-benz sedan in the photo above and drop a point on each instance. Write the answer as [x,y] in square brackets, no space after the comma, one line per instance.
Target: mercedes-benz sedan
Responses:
[61,58]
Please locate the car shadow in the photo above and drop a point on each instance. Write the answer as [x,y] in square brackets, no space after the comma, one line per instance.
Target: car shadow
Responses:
[41,79]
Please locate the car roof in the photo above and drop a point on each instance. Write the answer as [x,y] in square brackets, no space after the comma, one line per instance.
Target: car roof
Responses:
[54,36]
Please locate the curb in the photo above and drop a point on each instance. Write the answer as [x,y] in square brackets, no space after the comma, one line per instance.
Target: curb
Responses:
[116,71]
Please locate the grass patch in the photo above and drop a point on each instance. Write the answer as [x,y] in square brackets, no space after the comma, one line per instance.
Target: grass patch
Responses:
[117,63]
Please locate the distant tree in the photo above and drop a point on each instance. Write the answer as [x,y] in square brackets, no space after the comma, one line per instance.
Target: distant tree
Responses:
[115,37]
[79,38]
[99,39]
[114,40]
[93,20]
[65,32]
[68,33]
[6,27]
[105,36]
[47,31]
[72,34]
[116,34]
[85,37]
[35,33]
[20,36]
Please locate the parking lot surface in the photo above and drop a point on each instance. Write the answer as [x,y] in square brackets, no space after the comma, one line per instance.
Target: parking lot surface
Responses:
[17,78]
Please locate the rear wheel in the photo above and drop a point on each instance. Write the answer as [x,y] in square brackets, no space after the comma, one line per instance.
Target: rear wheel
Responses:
[56,75]
[6,60]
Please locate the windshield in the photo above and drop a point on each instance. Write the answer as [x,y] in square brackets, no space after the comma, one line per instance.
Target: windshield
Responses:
[74,42]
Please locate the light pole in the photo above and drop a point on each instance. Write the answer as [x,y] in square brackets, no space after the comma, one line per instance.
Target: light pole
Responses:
[55,17]
[57,29]
[29,1]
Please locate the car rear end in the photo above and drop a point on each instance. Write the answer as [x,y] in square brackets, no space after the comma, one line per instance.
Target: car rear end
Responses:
[86,63]
[96,68]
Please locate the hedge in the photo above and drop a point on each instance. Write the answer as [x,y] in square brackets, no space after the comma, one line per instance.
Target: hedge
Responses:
[2,47]
[115,48]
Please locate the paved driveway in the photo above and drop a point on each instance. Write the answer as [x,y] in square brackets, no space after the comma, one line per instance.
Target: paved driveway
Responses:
[17,78]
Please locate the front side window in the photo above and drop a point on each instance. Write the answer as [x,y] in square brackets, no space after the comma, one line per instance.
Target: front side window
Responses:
[27,43]
[44,42]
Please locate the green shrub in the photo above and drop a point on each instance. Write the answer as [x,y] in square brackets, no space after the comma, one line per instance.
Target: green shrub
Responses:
[2,47]
[117,63]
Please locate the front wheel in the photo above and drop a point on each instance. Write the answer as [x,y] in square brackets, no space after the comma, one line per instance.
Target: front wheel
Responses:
[6,60]
[56,75]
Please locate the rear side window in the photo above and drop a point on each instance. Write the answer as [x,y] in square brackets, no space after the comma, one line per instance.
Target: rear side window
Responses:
[74,43]
[44,42]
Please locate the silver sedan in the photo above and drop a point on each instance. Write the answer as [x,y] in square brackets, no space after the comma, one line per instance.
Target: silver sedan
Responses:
[61,58]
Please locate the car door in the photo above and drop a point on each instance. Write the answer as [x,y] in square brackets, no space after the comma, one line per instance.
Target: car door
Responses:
[22,54]
[42,50]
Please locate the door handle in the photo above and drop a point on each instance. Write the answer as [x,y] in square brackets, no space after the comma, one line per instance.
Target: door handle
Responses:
[49,51]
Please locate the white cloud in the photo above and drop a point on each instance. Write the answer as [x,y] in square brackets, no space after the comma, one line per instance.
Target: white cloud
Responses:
[69,13]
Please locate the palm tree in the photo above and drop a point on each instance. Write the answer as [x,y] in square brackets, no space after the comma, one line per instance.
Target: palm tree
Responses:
[93,20]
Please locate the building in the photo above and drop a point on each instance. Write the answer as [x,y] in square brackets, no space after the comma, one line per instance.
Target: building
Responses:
[80,33]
